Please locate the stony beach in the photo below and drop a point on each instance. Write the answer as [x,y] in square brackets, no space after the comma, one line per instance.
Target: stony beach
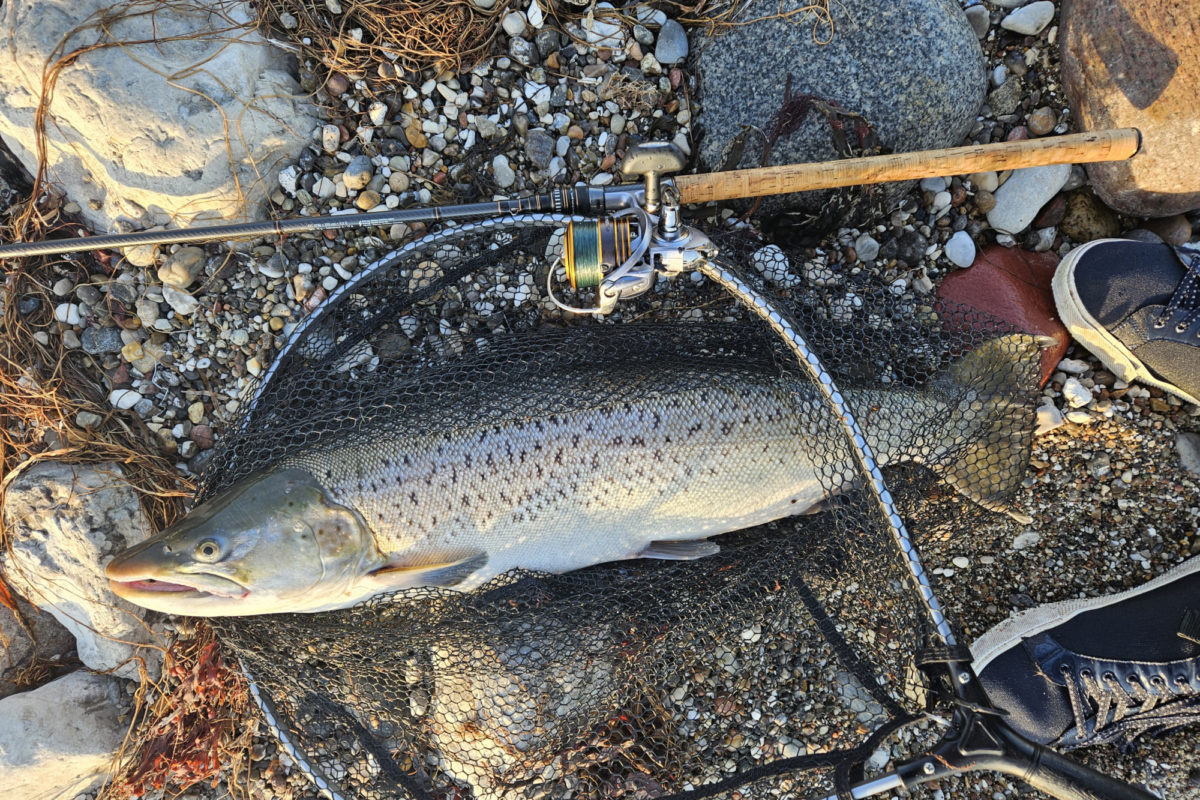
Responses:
[177,336]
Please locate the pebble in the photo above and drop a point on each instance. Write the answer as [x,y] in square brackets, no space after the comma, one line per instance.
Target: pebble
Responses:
[866,247]
[933,184]
[1048,418]
[1080,417]
[1023,195]
[1041,121]
[1026,540]
[960,250]
[539,148]
[358,173]
[367,199]
[1075,393]
[1031,19]
[985,201]
[124,399]
[377,113]
[1074,366]
[331,137]
[67,313]
[86,419]
[962,562]
[337,84]
[132,351]
[986,181]
[98,341]
[63,287]
[182,268]
[980,20]
[1187,445]
[513,23]
[184,304]
[503,172]
[672,44]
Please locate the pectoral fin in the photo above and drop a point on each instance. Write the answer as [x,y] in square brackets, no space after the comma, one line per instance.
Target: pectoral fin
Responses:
[679,551]
[443,574]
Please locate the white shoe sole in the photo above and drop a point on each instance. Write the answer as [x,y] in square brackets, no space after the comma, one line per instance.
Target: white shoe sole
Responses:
[1029,623]
[1094,336]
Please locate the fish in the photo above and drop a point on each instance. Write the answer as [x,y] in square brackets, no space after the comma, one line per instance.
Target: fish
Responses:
[663,464]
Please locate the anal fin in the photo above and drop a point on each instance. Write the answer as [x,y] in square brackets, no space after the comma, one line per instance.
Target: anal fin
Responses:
[680,550]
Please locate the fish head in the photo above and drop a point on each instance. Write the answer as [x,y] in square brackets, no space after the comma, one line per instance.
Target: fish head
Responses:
[271,543]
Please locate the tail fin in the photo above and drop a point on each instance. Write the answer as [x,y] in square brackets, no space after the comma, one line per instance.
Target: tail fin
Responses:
[984,450]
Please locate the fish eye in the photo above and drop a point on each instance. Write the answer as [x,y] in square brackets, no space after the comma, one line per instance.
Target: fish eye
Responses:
[208,550]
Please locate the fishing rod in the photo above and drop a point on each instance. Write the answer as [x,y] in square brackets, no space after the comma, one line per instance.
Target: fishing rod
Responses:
[652,162]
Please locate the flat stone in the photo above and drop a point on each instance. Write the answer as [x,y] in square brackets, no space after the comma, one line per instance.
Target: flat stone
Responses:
[64,523]
[183,303]
[1128,63]
[1013,286]
[917,91]
[503,171]
[1031,19]
[672,46]
[1020,198]
[144,132]
[980,20]
[101,340]
[539,147]
[59,740]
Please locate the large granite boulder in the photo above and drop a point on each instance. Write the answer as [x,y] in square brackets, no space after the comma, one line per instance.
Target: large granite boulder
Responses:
[912,68]
[1136,63]
[144,132]
[65,522]
[58,741]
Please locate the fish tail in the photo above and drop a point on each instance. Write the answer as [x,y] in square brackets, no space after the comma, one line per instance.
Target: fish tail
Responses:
[984,450]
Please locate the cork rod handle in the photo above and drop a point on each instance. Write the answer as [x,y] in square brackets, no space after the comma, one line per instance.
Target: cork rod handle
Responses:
[1077,148]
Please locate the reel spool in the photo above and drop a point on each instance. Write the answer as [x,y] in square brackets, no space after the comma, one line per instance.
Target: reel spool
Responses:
[596,247]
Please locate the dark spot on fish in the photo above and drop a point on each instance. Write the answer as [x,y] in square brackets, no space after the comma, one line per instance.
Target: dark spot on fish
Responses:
[413,496]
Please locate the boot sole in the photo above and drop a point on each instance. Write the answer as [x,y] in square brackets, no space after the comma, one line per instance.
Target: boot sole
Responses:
[1094,336]
[1036,620]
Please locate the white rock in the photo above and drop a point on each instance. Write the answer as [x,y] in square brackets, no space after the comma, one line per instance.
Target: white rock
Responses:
[960,250]
[1048,418]
[1031,19]
[1187,445]
[1076,393]
[962,562]
[941,200]
[377,113]
[65,522]
[1022,196]
[1080,417]
[58,741]
[123,398]
[1074,366]
[1026,540]
[535,15]
[933,184]
[67,313]
[866,247]
[505,177]
[184,304]
[145,130]
[513,23]
[287,179]
[602,30]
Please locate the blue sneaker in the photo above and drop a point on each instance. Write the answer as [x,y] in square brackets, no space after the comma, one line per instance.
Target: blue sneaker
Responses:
[1106,670]
[1136,306]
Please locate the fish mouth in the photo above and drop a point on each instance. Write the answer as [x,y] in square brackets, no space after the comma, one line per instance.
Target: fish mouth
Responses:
[150,588]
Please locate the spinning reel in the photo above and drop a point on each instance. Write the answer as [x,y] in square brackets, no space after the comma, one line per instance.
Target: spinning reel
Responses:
[621,254]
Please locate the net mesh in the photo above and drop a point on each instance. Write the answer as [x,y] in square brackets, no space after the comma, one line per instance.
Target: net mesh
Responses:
[774,666]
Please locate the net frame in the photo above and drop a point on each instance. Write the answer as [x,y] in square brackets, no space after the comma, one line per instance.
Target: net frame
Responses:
[944,651]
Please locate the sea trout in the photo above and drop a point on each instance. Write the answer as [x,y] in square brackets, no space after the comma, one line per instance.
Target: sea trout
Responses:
[651,475]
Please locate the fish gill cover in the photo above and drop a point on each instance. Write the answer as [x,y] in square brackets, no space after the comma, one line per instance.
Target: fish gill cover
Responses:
[776,666]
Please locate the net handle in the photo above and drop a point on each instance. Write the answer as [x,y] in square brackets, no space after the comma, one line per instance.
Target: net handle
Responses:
[782,324]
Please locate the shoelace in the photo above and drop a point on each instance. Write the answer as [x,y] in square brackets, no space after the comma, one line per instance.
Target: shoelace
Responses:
[1122,714]
[1185,298]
